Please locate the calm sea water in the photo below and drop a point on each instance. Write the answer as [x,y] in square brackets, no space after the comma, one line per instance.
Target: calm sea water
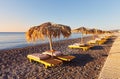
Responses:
[17,39]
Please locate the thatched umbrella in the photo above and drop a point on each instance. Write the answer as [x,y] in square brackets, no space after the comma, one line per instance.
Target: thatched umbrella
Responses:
[82,30]
[99,31]
[94,32]
[108,32]
[48,30]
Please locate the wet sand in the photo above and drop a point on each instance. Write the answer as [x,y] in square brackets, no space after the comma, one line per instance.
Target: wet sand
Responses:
[87,64]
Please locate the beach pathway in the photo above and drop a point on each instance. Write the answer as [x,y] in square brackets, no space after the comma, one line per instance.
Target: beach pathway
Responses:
[111,68]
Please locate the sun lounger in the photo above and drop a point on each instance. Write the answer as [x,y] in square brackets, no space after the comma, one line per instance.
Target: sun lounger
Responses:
[84,47]
[101,42]
[105,37]
[47,60]
[59,55]
[97,41]
[66,57]
[92,42]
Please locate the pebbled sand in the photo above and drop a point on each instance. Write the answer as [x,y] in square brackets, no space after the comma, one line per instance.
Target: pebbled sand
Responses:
[87,64]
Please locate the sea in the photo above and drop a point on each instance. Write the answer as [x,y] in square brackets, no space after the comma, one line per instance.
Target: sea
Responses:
[9,40]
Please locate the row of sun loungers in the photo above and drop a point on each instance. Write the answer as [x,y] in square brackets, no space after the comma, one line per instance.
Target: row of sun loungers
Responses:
[50,59]
[98,41]
[84,47]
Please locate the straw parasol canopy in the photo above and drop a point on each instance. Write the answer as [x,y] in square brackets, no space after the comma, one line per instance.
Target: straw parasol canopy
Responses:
[49,30]
[94,32]
[99,31]
[82,30]
[108,32]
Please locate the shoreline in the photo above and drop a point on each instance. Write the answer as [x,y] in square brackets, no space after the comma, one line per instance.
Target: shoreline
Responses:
[26,45]
[87,64]
[20,41]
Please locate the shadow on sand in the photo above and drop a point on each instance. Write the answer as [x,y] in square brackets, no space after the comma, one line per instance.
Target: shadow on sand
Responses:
[97,47]
[80,60]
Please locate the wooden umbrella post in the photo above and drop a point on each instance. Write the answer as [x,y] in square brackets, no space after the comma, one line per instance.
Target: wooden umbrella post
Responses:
[81,38]
[50,42]
[93,36]
[82,35]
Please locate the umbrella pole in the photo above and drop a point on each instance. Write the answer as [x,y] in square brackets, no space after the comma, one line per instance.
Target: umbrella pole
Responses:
[81,38]
[93,36]
[50,42]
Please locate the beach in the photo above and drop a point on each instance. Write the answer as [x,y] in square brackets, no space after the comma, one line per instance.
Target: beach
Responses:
[87,64]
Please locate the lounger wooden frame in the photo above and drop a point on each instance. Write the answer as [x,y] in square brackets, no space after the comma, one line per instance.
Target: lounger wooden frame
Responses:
[84,48]
[65,57]
[47,62]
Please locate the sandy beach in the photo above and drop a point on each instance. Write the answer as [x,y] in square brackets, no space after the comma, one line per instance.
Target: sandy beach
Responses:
[87,64]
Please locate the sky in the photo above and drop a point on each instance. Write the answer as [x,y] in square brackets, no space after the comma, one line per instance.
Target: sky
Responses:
[20,15]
